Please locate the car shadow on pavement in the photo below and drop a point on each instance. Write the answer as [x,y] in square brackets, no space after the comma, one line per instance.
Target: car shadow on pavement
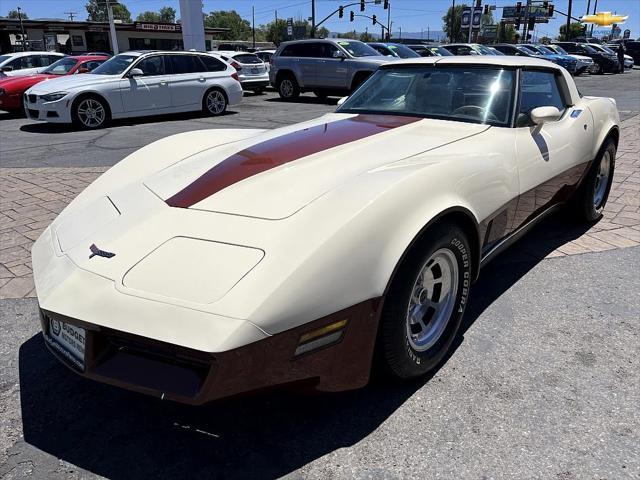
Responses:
[119,434]
[44,127]
[311,100]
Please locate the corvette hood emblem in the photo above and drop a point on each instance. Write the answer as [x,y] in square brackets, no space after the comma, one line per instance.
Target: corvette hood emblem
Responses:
[101,253]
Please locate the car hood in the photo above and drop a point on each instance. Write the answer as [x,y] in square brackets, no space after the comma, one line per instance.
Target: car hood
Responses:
[23,82]
[70,82]
[275,174]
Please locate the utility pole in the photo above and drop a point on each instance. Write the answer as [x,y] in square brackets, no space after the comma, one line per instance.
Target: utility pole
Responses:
[276,17]
[21,28]
[568,31]
[313,18]
[253,24]
[526,22]
[453,20]
[389,21]
[595,7]
[71,15]
[112,28]
[400,33]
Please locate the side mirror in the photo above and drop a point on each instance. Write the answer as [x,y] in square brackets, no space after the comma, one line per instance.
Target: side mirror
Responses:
[541,115]
[83,70]
[342,100]
[339,54]
[136,72]
[7,68]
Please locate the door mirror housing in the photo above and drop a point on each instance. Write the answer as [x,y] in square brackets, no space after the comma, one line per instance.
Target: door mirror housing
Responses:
[7,68]
[339,54]
[136,72]
[541,115]
[342,100]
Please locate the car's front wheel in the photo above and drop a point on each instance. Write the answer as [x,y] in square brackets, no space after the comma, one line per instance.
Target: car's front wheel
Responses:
[214,102]
[425,303]
[591,198]
[90,113]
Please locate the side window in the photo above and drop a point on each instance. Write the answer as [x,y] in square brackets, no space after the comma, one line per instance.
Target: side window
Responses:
[151,66]
[28,61]
[186,64]
[49,59]
[91,64]
[538,89]
[328,50]
[213,64]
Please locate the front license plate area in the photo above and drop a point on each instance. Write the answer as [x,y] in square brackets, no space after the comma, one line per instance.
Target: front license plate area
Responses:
[254,70]
[68,340]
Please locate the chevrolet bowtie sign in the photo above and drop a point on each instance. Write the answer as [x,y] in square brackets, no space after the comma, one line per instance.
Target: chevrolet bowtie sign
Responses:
[604,19]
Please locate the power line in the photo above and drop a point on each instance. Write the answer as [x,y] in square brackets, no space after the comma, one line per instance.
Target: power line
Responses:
[71,15]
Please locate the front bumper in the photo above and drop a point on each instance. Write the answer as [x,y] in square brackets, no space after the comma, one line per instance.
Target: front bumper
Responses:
[171,372]
[56,112]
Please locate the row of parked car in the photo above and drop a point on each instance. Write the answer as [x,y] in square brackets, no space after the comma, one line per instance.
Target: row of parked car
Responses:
[141,83]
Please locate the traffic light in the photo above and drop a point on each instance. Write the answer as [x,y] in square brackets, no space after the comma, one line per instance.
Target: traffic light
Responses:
[362,5]
[385,5]
[340,12]
[532,23]
[551,10]
[486,9]
[517,24]
[352,17]
[518,8]
[373,19]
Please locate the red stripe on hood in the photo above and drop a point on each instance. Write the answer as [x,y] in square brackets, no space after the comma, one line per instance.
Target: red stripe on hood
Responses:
[283,149]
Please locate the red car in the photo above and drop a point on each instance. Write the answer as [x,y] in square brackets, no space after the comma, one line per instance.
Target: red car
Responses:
[13,88]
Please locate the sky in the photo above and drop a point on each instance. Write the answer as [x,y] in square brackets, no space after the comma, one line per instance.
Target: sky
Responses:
[410,15]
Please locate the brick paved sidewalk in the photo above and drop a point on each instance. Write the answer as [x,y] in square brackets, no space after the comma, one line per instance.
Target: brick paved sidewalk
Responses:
[30,198]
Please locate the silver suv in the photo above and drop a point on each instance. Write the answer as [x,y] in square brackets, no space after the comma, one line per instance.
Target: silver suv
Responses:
[325,67]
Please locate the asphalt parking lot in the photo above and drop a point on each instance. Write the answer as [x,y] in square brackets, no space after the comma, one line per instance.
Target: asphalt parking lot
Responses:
[543,383]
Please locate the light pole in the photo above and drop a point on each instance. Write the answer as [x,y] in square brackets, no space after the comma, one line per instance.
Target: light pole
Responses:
[21,27]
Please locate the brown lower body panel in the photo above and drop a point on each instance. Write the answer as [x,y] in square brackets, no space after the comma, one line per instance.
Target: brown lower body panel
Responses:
[193,377]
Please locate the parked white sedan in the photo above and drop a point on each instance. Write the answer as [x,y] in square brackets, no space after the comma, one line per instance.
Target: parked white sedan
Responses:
[26,63]
[136,84]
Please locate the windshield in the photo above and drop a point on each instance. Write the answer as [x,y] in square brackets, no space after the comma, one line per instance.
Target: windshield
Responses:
[358,49]
[61,67]
[529,49]
[115,65]
[468,94]
[546,51]
[559,49]
[402,51]
[590,49]
[486,50]
[440,52]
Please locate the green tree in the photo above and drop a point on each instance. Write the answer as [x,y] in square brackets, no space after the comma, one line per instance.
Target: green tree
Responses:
[455,34]
[575,30]
[14,14]
[351,34]
[239,29]
[322,32]
[546,40]
[366,37]
[276,31]
[97,12]
[506,33]
[166,15]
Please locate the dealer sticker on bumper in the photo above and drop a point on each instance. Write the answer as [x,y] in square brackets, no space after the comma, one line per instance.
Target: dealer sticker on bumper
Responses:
[68,340]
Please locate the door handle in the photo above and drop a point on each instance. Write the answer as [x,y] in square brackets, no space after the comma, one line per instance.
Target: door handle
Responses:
[201,79]
[163,83]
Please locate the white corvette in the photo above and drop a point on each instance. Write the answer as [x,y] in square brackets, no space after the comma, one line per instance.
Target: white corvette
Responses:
[215,262]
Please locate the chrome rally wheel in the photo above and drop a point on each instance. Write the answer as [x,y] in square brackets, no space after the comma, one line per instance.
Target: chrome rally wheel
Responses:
[602,180]
[91,113]
[215,102]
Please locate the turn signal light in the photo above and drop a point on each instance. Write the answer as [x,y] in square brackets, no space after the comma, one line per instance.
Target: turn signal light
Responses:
[235,76]
[321,337]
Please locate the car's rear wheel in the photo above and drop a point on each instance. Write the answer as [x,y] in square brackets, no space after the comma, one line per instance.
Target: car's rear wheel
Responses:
[214,102]
[90,113]
[591,197]
[425,303]
[288,88]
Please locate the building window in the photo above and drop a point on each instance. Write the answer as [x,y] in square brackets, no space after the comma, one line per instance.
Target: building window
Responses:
[77,40]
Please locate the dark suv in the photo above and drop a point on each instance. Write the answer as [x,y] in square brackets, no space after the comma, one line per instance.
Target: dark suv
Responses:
[326,67]
[605,63]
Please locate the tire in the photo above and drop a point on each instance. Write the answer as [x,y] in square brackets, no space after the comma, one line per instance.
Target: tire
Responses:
[90,113]
[600,70]
[214,102]
[591,197]
[288,87]
[439,261]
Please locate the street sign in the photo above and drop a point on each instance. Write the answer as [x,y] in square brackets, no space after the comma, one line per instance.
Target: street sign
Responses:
[474,17]
[466,17]
[477,17]
[290,27]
